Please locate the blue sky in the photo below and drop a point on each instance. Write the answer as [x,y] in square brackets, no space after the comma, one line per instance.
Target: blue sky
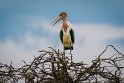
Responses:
[25,27]
[15,14]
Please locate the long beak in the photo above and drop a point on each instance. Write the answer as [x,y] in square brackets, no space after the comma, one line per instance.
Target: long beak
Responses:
[56,20]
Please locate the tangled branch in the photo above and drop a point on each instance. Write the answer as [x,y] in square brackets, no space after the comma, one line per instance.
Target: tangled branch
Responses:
[53,67]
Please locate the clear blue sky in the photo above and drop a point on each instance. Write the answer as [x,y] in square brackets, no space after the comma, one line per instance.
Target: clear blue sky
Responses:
[21,19]
[15,14]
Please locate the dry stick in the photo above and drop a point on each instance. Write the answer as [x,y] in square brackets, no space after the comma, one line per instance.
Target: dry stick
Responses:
[113,48]
[61,67]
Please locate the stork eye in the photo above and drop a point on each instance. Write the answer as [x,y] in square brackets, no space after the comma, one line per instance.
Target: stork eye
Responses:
[61,14]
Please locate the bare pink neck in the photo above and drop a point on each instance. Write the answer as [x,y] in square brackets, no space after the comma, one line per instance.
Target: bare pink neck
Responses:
[65,25]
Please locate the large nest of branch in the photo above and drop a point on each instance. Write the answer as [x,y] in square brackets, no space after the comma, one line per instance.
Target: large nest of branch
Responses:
[54,67]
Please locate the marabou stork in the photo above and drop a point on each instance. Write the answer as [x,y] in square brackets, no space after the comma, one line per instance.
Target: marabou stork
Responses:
[66,32]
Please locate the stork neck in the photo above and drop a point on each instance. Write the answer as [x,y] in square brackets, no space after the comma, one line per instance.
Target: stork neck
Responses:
[64,23]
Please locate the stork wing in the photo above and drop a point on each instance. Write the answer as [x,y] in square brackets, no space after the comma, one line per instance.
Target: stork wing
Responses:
[61,36]
[72,35]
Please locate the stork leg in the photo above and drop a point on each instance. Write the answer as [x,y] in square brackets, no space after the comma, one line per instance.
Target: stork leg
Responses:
[71,54]
[63,52]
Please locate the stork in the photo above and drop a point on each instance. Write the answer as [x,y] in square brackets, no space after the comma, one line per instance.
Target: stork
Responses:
[66,32]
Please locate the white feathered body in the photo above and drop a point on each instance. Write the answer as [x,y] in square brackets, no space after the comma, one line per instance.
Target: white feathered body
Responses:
[67,36]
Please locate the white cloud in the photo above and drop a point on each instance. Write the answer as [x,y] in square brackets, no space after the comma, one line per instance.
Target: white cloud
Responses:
[24,50]
[10,51]
[99,32]
[45,24]
[38,42]
[89,42]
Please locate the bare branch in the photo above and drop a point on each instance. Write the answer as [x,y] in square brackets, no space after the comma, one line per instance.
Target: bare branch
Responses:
[53,67]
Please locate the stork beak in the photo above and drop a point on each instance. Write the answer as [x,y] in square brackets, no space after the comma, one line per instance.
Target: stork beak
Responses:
[56,20]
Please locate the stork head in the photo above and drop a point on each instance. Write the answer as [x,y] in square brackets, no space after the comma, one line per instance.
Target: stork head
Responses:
[62,16]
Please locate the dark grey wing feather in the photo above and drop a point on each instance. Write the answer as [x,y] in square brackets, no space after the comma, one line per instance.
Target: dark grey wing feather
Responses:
[72,35]
[61,35]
